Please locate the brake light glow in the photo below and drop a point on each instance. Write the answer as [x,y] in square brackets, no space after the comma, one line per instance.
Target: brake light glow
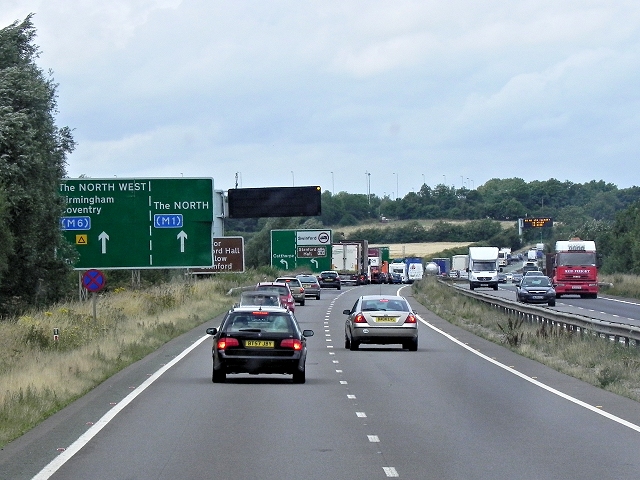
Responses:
[359,319]
[260,312]
[227,342]
[293,343]
[411,319]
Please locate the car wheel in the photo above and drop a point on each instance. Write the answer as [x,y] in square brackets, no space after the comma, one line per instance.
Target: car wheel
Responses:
[302,303]
[552,303]
[299,376]
[318,297]
[338,288]
[412,345]
[219,376]
[354,345]
[347,342]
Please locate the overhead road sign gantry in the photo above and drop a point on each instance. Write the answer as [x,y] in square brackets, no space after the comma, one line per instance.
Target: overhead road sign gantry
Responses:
[129,223]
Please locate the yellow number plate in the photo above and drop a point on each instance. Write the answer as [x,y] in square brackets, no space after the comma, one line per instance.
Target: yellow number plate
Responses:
[259,343]
[385,319]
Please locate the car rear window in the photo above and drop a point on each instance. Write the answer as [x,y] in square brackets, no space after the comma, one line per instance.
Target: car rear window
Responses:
[262,321]
[308,279]
[384,304]
[274,288]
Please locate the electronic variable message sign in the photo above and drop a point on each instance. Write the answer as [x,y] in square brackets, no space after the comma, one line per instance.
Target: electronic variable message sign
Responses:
[537,222]
[128,223]
[274,202]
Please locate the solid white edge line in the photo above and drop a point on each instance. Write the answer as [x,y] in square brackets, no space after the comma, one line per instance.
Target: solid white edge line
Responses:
[76,446]
[610,416]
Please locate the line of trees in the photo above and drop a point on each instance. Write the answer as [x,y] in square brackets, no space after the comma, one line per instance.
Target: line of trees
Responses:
[34,256]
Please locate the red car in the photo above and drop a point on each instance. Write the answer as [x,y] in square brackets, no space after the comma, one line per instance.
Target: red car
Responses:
[286,299]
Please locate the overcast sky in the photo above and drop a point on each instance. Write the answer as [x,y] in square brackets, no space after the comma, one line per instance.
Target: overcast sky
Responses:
[297,92]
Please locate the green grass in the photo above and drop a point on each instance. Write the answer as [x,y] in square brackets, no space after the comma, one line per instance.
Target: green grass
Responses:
[39,376]
[601,363]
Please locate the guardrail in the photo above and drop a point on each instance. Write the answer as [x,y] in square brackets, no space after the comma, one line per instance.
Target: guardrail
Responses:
[618,332]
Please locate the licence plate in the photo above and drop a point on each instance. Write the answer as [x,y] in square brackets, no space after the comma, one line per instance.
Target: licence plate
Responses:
[259,343]
[385,319]
[537,297]
[577,287]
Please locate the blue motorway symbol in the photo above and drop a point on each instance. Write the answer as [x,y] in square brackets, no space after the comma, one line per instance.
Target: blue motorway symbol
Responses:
[75,223]
[169,220]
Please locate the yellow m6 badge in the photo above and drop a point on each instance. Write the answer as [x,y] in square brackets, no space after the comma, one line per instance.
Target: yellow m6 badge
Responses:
[81,239]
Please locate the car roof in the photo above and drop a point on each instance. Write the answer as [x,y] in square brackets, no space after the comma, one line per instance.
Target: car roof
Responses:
[272,284]
[263,308]
[379,297]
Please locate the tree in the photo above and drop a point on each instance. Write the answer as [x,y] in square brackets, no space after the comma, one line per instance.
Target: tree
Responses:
[33,153]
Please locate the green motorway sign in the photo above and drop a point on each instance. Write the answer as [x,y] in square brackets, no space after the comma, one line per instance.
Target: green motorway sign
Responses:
[308,249]
[121,223]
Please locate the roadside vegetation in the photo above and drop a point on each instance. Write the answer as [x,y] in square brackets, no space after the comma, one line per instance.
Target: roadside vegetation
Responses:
[39,376]
[599,362]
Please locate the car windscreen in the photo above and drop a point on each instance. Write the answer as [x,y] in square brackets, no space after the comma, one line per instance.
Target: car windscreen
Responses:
[536,282]
[259,321]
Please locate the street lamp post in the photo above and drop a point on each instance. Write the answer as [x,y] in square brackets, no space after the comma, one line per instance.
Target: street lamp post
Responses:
[368,186]
[424,182]
[445,180]
[293,180]
[396,184]
[332,185]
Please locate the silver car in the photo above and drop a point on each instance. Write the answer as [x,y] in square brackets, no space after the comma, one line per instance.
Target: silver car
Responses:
[381,319]
[311,285]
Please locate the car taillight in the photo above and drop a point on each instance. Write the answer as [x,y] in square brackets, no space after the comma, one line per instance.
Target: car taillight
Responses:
[225,343]
[359,319]
[291,343]
[410,319]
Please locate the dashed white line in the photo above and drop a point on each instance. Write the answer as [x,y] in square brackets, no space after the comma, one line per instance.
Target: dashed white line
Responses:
[373,438]
[361,415]
[390,472]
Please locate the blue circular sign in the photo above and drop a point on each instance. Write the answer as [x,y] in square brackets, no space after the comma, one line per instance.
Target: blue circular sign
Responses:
[93,280]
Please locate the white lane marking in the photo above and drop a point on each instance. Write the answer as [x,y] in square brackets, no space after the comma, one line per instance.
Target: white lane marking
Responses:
[361,415]
[390,472]
[343,382]
[560,394]
[75,447]
[351,397]
[338,371]
[373,438]
[618,300]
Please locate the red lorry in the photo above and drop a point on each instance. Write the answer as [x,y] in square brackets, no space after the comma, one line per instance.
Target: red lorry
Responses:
[575,268]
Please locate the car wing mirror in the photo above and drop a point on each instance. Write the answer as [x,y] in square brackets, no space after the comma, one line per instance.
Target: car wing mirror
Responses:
[346,312]
[212,331]
[307,333]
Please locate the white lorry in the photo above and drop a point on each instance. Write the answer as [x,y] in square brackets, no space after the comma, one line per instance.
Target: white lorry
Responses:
[504,254]
[483,267]
[459,265]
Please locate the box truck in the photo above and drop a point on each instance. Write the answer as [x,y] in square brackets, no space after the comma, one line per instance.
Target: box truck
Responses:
[483,267]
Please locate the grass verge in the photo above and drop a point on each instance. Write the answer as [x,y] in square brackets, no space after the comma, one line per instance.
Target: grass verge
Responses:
[599,362]
[39,376]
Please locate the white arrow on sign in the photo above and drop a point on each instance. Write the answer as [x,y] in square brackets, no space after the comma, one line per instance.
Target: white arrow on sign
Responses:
[103,237]
[181,236]
[285,263]
[313,260]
